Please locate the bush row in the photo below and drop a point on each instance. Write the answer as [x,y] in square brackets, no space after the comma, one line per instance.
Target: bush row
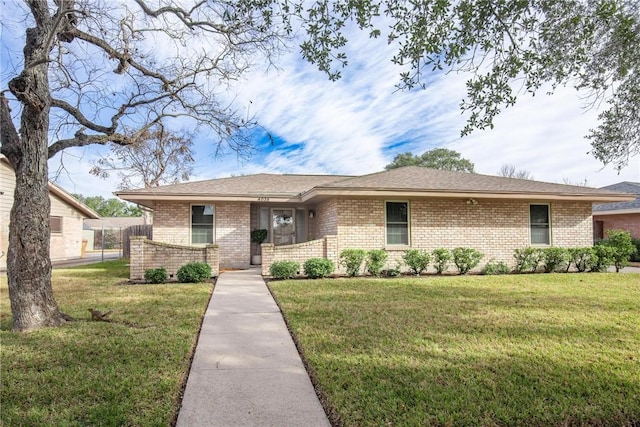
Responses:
[192,272]
[615,250]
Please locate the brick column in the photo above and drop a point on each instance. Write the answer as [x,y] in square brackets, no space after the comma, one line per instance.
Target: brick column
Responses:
[212,257]
[136,261]
[268,254]
[331,249]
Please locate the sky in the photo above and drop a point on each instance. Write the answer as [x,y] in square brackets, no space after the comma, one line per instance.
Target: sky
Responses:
[358,124]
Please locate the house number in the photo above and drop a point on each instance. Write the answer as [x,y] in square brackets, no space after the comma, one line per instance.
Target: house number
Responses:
[263,199]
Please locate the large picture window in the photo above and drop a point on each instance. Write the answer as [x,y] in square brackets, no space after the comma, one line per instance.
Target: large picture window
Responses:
[397,223]
[202,224]
[539,220]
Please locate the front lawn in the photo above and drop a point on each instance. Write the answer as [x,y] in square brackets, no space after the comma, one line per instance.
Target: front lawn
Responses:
[125,372]
[544,349]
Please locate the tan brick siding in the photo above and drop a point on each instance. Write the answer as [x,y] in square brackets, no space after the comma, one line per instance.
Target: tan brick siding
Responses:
[494,227]
[629,222]
[171,224]
[147,254]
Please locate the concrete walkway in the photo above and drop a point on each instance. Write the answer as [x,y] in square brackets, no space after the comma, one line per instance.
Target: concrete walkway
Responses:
[246,370]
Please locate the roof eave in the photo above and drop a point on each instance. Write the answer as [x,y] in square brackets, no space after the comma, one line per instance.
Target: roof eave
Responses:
[617,211]
[395,193]
[148,199]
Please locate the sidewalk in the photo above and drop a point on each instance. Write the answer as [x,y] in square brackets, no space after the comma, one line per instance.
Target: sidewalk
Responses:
[246,370]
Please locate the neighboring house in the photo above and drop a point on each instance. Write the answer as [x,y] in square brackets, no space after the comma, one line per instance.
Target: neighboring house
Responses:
[111,228]
[66,218]
[618,215]
[410,207]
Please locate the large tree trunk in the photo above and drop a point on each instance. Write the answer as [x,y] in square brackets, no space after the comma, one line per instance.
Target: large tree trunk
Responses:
[28,261]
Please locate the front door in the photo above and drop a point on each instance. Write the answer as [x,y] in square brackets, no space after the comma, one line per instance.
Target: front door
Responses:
[283,226]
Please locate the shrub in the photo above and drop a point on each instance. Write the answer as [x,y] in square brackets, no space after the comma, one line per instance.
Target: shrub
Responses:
[554,259]
[317,268]
[416,260]
[441,259]
[284,269]
[156,275]
[466,259]
[375,261]
[582,258]
[352,260]
[527,259]
[604,257]
[393,272]
[495,268]
[194,272]
[620,240]
[636,256]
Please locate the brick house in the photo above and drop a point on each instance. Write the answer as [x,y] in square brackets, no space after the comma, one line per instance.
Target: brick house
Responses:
[411,207]
[618,215]
[67,214]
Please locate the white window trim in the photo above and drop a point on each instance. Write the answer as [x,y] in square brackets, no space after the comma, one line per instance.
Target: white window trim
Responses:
[398,245]
[548,205]
[191,223]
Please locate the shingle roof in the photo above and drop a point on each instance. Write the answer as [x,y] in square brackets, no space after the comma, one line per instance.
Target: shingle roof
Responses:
[623,187]
[419,178]
[263,183]
[412,180]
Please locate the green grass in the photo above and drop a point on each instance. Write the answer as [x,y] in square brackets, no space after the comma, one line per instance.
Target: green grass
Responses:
[525,350]
[127,372]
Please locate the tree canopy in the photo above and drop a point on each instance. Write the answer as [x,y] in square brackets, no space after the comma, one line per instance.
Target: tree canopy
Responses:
[156,157]
[438,158]
[109,207]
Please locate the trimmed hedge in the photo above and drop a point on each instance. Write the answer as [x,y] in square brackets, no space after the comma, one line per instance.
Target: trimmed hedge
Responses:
[284,269]
[318,268]
[156,275]
[194,272]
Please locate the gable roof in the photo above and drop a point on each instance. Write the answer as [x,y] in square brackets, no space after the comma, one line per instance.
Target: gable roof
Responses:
[632,206]
[410,181]
[60,193]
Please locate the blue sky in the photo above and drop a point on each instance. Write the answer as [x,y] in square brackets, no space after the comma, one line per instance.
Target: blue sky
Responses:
[358,124]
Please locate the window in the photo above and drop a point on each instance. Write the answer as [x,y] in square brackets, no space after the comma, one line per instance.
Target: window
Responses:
[202,224]
[55,223]
[397,223]
[540,225]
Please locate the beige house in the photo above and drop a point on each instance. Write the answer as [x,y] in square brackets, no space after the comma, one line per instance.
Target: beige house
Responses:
[66,218]
[411,207]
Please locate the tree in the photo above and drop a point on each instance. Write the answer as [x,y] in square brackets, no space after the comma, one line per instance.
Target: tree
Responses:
[509,171]
[438,158]
[97,72]
[109,207]
[508,48]
[156,157]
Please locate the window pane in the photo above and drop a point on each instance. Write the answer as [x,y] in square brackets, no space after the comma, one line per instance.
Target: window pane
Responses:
[397,234]
[202,224]
[55,222]
[396,212]
[539,214]
[539,219]
[540,235]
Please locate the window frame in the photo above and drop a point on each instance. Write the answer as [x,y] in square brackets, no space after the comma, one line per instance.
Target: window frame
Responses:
[213,224]
[60,220]
[386,223]
[548,224]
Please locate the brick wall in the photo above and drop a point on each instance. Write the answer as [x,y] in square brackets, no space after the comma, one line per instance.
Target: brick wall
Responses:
[147,254]
[494,227]
[171,224]
[629,222]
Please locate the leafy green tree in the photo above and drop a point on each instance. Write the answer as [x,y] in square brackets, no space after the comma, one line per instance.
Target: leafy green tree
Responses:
[109,207]
[438,158]
[620,241]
